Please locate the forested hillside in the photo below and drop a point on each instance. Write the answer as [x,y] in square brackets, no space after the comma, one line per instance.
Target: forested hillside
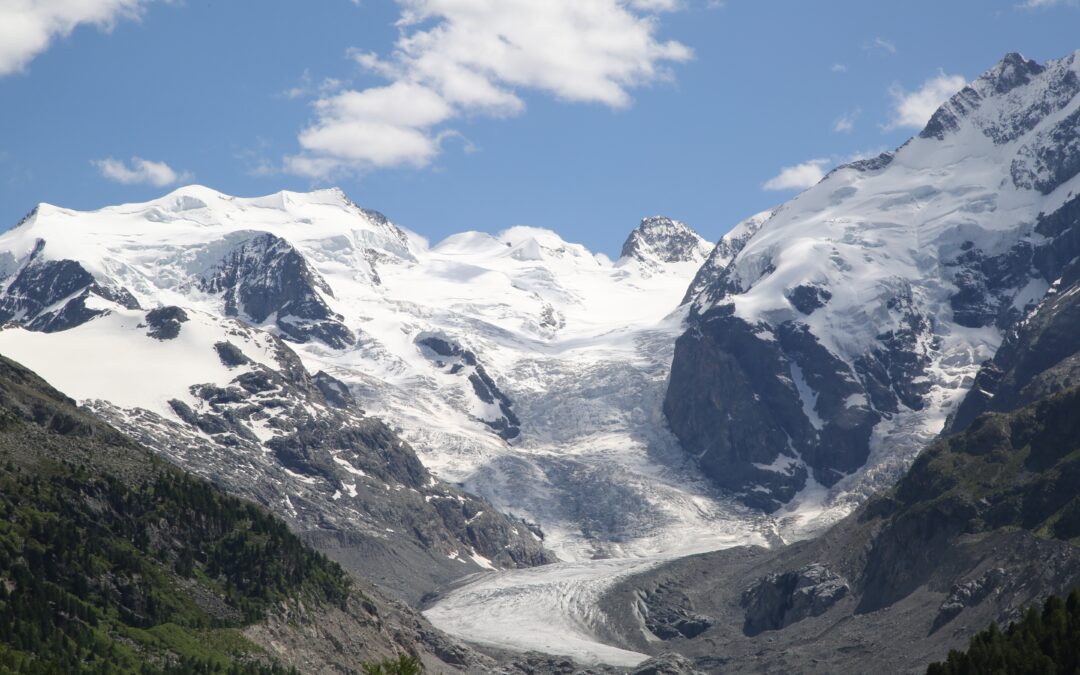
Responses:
[112,561]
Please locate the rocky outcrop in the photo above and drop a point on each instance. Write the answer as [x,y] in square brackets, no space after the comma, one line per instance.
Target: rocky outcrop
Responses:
[662,240]
[799,408]
[968,594]
[670,614]
[165,322]
[345,482]
[264,277]
[723,372]
[51,295]
[779,600]
[496,409]
[1051,158]
[987,285]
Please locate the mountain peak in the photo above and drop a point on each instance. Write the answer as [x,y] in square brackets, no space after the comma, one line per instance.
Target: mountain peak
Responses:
[1012,71]
[659,239]
[1008,100]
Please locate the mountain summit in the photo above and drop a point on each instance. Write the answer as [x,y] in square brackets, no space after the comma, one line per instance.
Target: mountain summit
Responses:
[660,240]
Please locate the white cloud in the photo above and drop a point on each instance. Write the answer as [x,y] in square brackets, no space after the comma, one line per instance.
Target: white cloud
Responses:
[476,57]
[139,172]
[27,27]
[811,172]
[839,68]
[798,177]
[913,109]
[845,124]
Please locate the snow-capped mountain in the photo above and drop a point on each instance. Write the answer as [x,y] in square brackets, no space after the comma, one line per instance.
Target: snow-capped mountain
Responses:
[834,344]
[659,242]
[226,332]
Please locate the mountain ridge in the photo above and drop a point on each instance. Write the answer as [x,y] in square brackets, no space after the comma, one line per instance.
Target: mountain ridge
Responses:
[858,314]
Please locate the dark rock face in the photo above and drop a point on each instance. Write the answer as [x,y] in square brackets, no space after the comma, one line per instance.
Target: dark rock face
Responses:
[460,361]
[1041,355]
[779,600]
[663,239]
[669,614]
[808,297]
[231,355]
[797,407]
[877,163]
[1051,158]
[334,390]
[265,276]
[164,322]
[51,295]
[722,372]
[986,284]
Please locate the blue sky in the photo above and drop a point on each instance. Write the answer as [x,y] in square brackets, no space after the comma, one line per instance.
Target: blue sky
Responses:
[577,115]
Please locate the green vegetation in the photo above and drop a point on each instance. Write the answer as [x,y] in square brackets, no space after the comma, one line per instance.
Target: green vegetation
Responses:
[114,562]
[1017,470]
[1041,643]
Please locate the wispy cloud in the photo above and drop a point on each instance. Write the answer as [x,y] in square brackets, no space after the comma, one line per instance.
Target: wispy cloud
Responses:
[140,172]
[839,68]
[28,27]
[307,87]
[477,57]
[845,124]
[799,176]
[913,109]
[880,44]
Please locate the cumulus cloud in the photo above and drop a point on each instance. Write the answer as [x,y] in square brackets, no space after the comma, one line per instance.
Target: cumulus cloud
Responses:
[798,177]
[140,172]
[28,27]
[913,109]
[477,57]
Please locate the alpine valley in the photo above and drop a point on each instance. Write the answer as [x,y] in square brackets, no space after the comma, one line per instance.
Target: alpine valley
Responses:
[843,437]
